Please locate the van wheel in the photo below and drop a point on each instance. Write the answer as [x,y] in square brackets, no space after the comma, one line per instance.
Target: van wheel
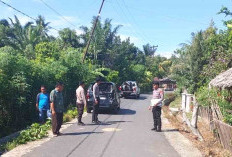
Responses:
[115,110]
[88,110]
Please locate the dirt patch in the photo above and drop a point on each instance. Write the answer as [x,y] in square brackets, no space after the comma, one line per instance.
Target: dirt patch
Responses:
[210,147]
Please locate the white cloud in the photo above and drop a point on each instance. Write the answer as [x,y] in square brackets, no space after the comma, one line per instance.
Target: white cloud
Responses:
[62,23]
[133,39]
[165,54]
[23,19]
[79,31]
[53,32]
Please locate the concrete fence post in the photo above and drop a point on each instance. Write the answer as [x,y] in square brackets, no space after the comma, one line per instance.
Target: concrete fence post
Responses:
[188,102]
[183,101]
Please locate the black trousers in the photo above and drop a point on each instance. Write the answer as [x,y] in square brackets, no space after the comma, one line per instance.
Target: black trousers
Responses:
[157,117]
[80,109]
[57,121]
[95,110]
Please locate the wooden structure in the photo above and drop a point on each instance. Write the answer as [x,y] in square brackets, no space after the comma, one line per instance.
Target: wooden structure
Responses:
[167,84]
[223,80]
[212,114]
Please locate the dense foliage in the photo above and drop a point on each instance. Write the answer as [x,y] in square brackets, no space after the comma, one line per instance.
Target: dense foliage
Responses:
[196,63]
[30,57]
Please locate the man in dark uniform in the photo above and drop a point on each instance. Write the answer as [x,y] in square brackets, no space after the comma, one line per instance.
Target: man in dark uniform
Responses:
[96,101]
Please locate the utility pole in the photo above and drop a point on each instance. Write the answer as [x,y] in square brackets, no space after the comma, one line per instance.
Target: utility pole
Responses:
[91,35]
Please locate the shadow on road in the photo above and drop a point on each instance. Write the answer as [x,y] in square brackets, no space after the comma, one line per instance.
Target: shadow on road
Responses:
[170,130]
[80,133]
[108,123]
[125,111]
[140,98]
[102,123]
[122,111]
[114,122]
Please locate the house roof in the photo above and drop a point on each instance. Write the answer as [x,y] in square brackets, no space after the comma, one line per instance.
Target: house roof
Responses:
[223,80]
[167,80]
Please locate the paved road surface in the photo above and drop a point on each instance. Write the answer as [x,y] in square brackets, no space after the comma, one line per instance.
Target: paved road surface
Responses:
[126,134]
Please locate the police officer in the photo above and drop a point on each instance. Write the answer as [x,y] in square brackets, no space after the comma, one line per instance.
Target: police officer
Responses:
[156,108]
[96,101]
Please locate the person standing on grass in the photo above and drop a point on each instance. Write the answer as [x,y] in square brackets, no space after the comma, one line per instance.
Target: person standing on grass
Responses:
[96,101]
[81,102]
[42,105]
[57,108]
[156,105]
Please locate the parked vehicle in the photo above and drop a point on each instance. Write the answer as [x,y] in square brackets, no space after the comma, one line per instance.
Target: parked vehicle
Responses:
[129,88]
[109,97]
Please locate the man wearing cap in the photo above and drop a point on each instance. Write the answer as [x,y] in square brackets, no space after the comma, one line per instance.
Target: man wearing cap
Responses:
[81,102]
[96,101]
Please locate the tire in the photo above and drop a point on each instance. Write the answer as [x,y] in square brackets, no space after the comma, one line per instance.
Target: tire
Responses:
[88,110]
[115,110]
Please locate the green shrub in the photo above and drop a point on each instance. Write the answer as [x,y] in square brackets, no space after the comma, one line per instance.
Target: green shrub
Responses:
[36,131]
[221,97]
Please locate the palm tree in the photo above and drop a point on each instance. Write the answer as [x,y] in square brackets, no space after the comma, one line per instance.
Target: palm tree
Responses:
[19,37]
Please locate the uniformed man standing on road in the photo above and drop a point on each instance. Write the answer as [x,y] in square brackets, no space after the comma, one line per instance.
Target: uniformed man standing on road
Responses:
[81,102]
[156,108]
[96,101]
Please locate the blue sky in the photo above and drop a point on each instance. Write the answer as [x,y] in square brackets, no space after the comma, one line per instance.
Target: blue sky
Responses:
[165,23]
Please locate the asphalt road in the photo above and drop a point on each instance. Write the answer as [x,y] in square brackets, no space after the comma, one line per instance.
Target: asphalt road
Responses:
[126,134]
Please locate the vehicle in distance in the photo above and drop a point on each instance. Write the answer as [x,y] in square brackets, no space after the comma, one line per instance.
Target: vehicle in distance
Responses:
[109,97]
[129,88]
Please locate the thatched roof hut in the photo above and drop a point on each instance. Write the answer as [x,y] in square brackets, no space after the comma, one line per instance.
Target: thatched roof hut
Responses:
[223,80]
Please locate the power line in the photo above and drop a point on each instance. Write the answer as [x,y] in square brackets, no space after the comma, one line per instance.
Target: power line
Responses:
[57,13]
[132,17]
[23,13]
[127,19]
[17,10]
[177,19]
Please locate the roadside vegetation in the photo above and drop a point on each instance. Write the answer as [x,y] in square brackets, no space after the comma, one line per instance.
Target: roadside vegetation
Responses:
[176,103]
[30,57]
[197,62]
[36,131]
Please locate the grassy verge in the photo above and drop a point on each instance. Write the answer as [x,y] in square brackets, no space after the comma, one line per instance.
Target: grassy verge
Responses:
[36,131]
[176,103]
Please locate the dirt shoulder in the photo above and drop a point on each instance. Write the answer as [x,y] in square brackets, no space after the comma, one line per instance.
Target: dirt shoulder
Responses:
[209,147]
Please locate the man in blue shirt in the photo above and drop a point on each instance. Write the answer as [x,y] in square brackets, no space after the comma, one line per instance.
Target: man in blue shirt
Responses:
[43,105]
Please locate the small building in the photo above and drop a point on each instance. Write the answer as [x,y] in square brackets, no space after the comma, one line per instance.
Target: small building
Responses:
[166,83]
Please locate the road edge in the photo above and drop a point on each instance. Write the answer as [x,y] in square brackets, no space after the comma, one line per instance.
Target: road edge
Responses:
[28,147]
[178,141]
